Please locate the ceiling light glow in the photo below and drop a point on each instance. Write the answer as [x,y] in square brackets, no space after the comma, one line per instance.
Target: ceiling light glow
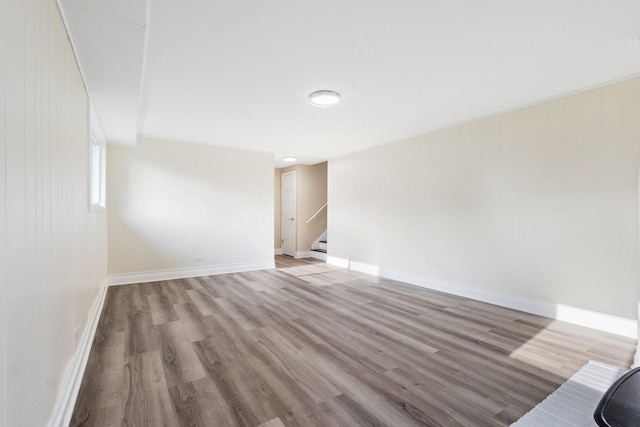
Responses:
[324,98]
[289,159]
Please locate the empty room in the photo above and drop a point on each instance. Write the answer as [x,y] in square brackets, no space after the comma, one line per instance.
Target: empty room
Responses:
[319,213]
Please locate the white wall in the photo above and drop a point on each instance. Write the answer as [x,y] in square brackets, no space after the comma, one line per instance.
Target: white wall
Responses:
[55,259]
[169,202]
[540,203]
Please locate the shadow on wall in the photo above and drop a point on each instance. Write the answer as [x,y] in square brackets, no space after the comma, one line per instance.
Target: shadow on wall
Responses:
[175,205]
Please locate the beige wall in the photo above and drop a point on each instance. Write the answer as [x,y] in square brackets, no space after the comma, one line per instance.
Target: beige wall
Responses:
[311,193]
[540,203]
[277,208]
[172,202]
[53,256]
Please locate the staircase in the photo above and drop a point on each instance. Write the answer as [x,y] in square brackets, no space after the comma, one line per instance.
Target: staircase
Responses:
[319,247]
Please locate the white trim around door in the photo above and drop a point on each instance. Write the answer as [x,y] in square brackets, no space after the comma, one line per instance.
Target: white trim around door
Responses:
[289,213]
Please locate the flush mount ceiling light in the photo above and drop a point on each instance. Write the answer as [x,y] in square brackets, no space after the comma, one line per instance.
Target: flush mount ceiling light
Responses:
[324,98]
[289,159]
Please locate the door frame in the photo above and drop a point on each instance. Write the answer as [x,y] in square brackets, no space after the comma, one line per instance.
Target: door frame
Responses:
[282,216]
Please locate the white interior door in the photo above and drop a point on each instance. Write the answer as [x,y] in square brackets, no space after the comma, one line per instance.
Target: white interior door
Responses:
[289,213]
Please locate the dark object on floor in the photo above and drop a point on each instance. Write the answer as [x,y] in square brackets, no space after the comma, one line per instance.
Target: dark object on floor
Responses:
[620,405]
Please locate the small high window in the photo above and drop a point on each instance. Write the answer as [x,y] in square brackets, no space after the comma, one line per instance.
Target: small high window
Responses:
[97,165]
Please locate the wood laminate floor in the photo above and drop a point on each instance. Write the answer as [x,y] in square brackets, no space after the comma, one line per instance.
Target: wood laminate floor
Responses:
[309,344]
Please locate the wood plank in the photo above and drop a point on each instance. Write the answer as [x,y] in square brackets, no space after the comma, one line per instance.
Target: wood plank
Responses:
[240,312]
[311,345]
[196,326]
[98,398]
[233,383]
[200,403]
[162,310]
[203,301]
[179,361]
[141,336]
[145,400]
[272,423]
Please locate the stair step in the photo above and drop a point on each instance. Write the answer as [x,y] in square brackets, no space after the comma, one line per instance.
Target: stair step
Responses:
[324,251]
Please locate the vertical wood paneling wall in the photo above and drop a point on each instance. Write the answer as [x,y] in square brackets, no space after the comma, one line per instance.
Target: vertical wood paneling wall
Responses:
[54,250]
[3,222]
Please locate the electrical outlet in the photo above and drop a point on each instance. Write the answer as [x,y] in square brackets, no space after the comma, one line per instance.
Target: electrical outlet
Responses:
[197,258]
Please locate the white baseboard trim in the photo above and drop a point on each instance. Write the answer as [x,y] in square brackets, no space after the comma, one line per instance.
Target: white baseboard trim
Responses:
[304,254]
[277,251]
[319,255]
[337,261]
[578,316]
[364,268]
[63,409]
[181,273]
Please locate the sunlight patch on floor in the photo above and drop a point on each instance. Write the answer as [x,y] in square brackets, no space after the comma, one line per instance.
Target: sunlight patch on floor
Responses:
[574,402]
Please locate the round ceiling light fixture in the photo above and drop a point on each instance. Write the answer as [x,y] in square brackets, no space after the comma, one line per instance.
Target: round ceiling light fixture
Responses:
[324,98]
[289,159]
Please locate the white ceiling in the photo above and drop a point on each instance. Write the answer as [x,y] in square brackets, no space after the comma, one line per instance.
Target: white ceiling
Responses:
[238,73]
[108,36]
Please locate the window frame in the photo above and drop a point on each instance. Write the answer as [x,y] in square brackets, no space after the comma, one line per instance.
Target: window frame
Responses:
[97,166]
